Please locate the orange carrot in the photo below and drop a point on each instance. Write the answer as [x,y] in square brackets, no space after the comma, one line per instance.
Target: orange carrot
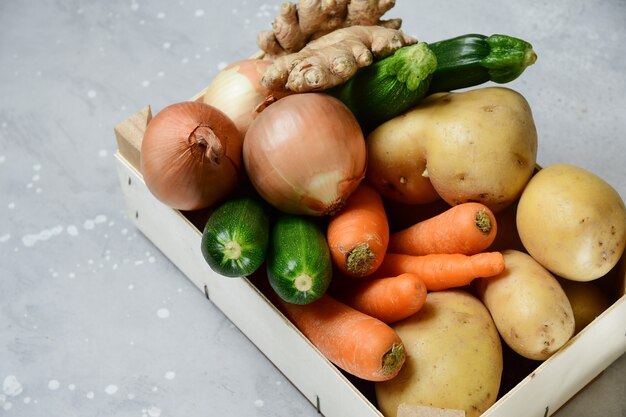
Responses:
[355,342]
[358,235]
[446,270]
[467,228]
[388,299]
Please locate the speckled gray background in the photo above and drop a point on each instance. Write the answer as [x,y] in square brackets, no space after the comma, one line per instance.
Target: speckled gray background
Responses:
[94,321]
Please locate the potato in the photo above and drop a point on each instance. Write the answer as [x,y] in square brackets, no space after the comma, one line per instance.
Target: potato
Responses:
[572,222]
[477,145]
[454,357]
[588,301]
[531,311]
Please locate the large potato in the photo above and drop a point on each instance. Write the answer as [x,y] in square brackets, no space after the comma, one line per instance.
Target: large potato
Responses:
[477,145]
[454,357]
[531,311]
[572,222]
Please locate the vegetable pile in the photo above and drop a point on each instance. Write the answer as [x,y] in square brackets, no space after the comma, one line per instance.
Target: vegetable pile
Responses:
[403,226]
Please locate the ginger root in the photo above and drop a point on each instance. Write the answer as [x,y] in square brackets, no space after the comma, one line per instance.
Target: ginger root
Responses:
[297,25]
[332,59]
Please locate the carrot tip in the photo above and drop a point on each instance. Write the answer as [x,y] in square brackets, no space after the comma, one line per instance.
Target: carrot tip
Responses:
[483,222]
[360,260]
[393,359]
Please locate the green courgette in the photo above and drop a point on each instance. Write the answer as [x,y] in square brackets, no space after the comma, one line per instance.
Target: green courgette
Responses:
[235,238]
[473,59]
[389,86]
[396,83]
[299,266]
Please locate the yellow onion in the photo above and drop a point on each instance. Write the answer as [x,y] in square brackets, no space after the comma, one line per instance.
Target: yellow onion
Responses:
[191,155]
[237,91]
[305,154]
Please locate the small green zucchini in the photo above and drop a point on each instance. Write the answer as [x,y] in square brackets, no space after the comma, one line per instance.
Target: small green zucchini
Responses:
[299,266]
[235,238]
[389,86]
[473,59]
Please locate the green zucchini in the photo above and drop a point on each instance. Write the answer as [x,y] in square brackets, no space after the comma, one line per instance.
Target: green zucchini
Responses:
[396,83]
[235,238]
[473,59]
[299,267]
[389,86]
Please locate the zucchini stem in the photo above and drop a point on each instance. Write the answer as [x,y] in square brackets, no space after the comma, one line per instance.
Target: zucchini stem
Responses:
[412,65]
[303,283]
[508,57]
[232,250]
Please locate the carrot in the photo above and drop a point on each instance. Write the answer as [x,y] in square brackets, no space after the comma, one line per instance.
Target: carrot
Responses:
[467,228]
[355,342]
[446,270]
[388,299]
[358,234]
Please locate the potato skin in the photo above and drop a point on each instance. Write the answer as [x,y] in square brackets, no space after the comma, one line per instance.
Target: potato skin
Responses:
[530,309]
[454,357]
[477,145]
[396,159]
[572,222]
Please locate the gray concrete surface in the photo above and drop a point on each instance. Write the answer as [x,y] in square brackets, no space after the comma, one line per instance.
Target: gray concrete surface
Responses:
[94,321]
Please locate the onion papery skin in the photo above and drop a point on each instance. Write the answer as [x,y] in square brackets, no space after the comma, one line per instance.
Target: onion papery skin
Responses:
[305,154]
[191,156]
[237,91]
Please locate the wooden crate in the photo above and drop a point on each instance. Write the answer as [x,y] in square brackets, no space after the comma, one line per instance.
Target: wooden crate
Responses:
[334,393]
